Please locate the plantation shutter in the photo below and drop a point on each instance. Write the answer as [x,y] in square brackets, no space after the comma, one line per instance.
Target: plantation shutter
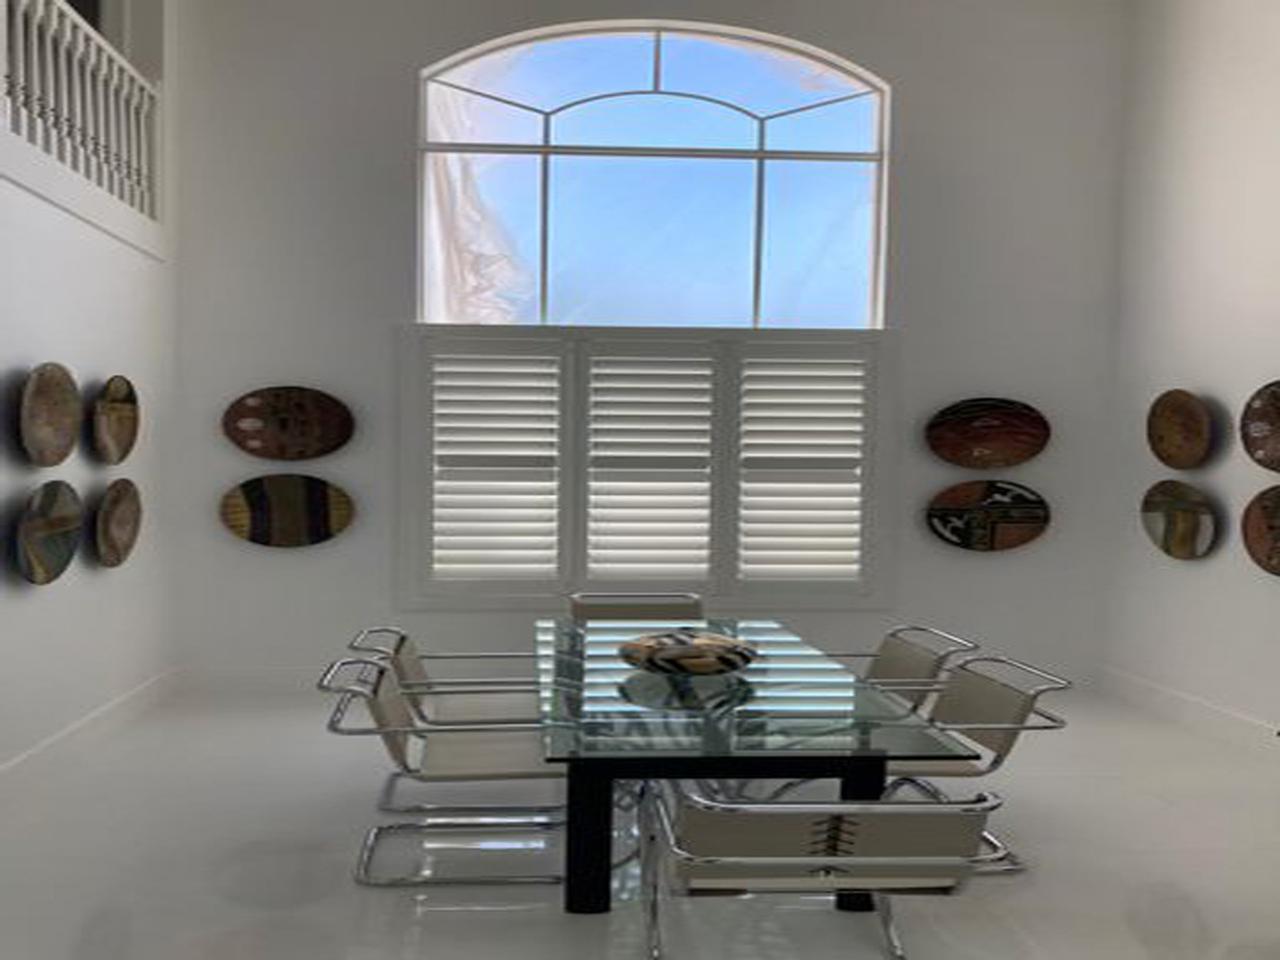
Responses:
[648,468]
[800,462]
[495,465]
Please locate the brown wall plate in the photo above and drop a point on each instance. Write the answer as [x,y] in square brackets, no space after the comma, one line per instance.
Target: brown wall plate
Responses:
[115,420]
[49,532]
[288,423]
[987,515]
[1180,519]
[1180,429]
[987,432]
[1260,426]
[118,523]
[1260,526]
[286,510]
[50,416]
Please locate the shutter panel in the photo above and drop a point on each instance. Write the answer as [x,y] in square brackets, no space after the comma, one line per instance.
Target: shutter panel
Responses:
[800,462]
[495,443]
[649,467]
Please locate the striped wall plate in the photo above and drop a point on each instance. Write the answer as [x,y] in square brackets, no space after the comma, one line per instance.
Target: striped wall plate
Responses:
[287,510]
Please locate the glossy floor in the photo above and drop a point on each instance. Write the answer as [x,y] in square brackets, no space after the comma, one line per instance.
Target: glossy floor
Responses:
[225,830]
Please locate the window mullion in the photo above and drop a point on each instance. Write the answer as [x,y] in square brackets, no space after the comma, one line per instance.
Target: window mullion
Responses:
[723,545]
[757,240]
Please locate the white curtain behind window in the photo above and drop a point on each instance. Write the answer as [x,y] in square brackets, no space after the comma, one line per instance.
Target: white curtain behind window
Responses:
[473,271]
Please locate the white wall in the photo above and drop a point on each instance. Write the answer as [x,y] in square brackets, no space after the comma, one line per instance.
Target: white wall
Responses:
[1201,311]
[296,147]
[73,294]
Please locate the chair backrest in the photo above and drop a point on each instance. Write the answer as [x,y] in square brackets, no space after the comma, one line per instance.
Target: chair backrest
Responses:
[915,653]
[885,845]
[407,663]
[392,716]
[988,709]
[634,606]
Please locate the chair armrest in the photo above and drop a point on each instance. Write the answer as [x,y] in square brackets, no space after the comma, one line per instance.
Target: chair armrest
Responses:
[362,642]
[1052,722]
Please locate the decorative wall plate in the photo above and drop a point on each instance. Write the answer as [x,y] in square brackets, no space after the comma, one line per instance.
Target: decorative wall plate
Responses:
[49,532]
[115,420]
[988,515]
[51,414]
[1261,528]
[118,522]
[288,423]
[1260,426]
[987,432]
[1179,519]
[1180,429]
[287,510]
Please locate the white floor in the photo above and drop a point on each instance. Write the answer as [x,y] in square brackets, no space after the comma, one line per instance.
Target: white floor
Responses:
[225,830]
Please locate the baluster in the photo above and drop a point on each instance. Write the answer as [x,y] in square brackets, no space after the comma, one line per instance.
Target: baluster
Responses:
[93,122]
[149,180]
[30,71]
[130,144]
[6,61]
[75,109]
[48,73]
[62,48]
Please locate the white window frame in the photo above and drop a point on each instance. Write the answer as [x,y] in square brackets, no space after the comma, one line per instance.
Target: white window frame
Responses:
[416,591]
[879,157]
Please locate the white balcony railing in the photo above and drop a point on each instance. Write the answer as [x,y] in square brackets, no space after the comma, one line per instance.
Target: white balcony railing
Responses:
[67,92]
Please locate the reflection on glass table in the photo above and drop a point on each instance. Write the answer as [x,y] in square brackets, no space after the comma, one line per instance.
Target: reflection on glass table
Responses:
[792,699]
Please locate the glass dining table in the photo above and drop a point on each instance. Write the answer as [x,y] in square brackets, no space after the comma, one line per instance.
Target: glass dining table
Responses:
[793,713]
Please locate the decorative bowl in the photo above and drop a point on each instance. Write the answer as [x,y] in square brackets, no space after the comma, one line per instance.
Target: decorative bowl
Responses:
[687,651]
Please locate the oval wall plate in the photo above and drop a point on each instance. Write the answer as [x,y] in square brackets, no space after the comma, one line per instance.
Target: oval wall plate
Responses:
[1260,526]
[1180,519]
[118,523]
[1180,429]
[49,532]
[115,420]
[1260,426]
[50,415]
[987,515]
[286,510]
[288,423]
[986,433]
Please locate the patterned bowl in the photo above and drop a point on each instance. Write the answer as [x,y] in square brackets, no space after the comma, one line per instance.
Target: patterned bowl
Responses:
[687,651]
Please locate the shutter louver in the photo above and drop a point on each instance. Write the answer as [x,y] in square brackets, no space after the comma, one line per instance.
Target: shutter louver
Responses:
[649,450]
[800,492]
[495,449]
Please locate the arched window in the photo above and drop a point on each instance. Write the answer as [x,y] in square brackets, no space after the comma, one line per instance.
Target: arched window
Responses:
[651,275]
[652,176]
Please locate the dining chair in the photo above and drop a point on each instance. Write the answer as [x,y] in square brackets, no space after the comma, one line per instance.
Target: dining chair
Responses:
[436,753]
[910,658]
[704,845]
[634,606]
[411,664]
[990,701]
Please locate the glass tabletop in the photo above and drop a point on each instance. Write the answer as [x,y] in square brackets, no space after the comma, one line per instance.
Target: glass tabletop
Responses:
[792,699]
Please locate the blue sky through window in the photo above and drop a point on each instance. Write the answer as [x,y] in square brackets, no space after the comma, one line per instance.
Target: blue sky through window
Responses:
[660,241]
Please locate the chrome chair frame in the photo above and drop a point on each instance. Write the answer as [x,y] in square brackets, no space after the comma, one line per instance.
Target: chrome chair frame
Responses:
[956,646]
[658,834]
[362,643]
[440,817]
[1003,859]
